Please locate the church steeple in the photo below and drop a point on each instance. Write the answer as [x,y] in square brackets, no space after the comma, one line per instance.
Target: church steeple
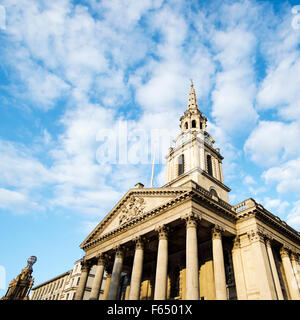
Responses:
[193,118]
[193,156]
[192,102]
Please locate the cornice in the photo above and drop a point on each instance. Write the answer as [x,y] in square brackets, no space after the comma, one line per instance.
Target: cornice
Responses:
[219,183]
[213,150]
[267,217]
[213,204]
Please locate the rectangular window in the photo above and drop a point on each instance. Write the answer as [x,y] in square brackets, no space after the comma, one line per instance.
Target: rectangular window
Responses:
[209,165]
[180,164]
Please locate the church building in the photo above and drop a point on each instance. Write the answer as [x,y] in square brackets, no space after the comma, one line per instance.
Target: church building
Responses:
[185,240]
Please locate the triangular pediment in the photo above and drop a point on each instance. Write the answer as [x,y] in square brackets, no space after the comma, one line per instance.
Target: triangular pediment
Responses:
[135,203]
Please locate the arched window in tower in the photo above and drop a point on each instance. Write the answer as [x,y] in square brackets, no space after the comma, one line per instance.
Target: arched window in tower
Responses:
[193,123]
[201,125]
[209,165]
[186,125]
[213,192]
[180,164]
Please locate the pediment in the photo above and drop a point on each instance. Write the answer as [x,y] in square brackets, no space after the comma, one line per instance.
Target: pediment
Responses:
[135,203]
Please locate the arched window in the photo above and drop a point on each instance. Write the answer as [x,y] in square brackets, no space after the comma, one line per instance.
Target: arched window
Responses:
[180,164]
[209,165]
[213,192]
[201,125]
[193,123]
[186,125]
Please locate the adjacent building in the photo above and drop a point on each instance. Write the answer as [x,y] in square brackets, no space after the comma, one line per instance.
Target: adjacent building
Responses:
[64,286]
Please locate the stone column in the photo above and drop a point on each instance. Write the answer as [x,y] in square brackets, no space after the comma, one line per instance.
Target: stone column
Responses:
[192,265]
[263,273]
[137,269]
[238,270]
[289,274]
[116,275]
[161,277]
[274,270]
[85,268]
[218,261]
[107,285]
[98,279]
[296,268]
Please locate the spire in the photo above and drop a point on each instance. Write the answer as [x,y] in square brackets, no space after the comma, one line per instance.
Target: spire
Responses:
[192,103]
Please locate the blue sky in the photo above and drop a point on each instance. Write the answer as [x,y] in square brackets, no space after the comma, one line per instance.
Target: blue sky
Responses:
[71,71]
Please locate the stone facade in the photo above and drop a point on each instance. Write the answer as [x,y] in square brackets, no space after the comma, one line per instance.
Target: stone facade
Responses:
[52,289]
[64,286]
[185,241]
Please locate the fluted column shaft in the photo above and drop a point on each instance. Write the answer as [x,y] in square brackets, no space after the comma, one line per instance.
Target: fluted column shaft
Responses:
[161,275]
[192,265]
[85,268]
[98,279]
[218,262]
[116,275]
[137,270]
[274,270]
[289,274]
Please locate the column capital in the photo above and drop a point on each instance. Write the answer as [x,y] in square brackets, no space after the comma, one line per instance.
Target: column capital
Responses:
[236,242]
[294,257]
[119,251]
[162,232]
[268,242]
[101,259]
[191,219]
[256,235]
[284,252]
[139,242]
[85,265]
[216,232]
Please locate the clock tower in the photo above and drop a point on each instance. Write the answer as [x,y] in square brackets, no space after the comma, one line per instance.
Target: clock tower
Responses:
[193,156]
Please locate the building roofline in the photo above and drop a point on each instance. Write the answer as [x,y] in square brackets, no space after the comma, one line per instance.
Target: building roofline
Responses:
[53,279]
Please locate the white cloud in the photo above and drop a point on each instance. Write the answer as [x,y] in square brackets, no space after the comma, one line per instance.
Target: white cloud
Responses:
[287,176]
[293,218]
[276,206]
[19,169]
[87,227]
[235,89]
[272,142]
[280,89]
[249,180]
[17,202]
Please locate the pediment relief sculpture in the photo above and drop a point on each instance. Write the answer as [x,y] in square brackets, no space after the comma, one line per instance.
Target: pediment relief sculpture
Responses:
[133,208]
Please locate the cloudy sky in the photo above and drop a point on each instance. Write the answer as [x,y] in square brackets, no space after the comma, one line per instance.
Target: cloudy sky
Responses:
[72,72]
